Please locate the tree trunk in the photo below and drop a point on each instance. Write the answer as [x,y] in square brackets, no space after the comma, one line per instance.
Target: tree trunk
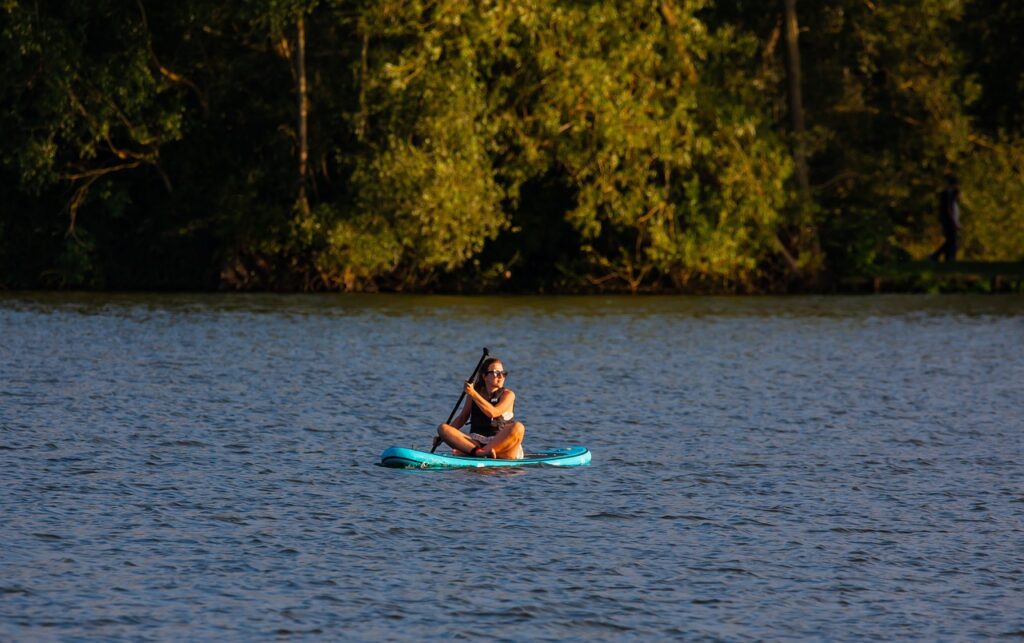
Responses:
[810,257]
[364,118]
[796,100]
[303,135]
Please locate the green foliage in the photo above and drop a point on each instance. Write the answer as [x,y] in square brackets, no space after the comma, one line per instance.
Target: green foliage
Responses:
[673,173]
[992,37]
[627,145]
[992,182]
[82,95]
[75,265]
[888,102]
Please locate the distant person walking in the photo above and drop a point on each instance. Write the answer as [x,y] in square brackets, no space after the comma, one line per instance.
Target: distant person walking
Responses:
[949,217]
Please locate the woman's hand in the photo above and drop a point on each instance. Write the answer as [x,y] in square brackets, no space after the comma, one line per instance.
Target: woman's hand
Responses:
[470,391]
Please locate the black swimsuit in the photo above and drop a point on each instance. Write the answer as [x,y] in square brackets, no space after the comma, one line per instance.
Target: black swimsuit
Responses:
[483,425]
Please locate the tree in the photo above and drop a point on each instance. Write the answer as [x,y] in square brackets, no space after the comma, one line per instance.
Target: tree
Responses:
[85,105]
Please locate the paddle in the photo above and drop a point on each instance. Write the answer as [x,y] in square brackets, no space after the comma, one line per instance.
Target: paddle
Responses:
[463,394]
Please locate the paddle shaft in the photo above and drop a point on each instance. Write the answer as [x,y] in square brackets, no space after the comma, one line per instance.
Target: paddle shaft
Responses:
[471,378]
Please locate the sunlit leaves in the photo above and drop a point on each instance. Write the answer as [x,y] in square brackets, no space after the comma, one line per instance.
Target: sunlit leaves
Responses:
[658,127]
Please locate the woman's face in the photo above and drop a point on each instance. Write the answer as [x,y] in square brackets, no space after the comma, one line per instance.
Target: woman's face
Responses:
[494,376]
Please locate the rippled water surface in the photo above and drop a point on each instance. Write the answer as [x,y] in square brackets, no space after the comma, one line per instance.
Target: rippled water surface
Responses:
[203,467]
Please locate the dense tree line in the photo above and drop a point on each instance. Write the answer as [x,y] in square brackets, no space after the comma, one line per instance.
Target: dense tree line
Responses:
[525,145]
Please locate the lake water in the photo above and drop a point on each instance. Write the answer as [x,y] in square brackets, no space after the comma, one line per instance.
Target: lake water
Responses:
[204,467]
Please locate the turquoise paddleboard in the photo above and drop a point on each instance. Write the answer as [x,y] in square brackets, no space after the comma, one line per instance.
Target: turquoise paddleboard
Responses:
[401,458]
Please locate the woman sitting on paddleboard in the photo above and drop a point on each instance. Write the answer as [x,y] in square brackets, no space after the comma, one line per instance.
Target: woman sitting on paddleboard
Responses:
[494,432]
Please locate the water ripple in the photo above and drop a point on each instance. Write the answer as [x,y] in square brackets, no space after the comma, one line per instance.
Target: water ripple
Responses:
[202,467]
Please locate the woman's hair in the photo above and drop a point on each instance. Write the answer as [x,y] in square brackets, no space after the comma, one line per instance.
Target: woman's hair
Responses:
[479,384]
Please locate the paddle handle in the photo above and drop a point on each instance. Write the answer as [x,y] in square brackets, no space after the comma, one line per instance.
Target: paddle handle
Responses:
[471,378]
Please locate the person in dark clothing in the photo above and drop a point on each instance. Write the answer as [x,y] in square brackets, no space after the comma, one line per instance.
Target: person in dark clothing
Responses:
[495,433]
[949,217]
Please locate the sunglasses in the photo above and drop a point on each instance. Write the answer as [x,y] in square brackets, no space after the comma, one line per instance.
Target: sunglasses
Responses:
[496,373]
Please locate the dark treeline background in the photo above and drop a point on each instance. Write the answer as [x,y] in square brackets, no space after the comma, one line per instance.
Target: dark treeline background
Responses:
[517,145]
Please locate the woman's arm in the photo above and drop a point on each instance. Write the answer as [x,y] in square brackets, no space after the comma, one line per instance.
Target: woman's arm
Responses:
[460,420]
[492,411]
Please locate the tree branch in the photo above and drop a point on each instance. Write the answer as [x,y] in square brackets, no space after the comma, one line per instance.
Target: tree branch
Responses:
[164,71]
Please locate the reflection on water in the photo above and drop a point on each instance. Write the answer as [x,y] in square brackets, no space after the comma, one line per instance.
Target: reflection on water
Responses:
[200,466]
